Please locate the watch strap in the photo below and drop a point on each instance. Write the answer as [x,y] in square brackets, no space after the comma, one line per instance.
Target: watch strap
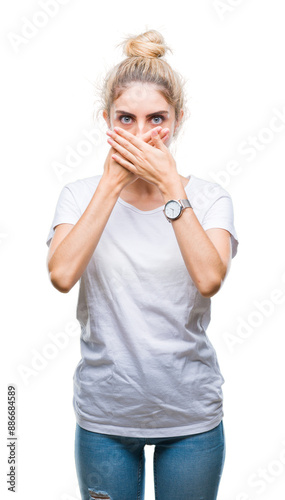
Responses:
[185,203]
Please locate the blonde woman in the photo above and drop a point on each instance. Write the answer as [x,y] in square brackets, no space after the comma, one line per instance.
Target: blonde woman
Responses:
[150,248]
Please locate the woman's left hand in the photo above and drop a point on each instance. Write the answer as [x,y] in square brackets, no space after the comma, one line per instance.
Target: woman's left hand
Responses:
[154,163]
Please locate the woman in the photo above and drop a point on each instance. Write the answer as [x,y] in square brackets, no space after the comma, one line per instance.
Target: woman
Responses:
[148,264]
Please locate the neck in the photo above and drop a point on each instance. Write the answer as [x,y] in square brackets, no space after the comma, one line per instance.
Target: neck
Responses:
[144,189]
[141,188]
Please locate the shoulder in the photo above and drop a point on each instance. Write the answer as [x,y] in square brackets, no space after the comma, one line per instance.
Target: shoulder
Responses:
[80,192]
[85,185]
[214,207]
[204,193]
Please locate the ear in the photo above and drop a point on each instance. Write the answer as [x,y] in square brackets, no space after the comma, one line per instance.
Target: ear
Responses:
[105,116]
[178,122]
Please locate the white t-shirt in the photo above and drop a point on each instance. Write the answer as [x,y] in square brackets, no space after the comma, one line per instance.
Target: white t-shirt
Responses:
[148,368]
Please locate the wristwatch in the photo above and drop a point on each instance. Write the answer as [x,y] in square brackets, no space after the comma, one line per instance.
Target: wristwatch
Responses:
[173,209]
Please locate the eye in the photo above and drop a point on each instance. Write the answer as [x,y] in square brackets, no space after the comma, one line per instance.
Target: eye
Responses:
[125,119]
[158,117]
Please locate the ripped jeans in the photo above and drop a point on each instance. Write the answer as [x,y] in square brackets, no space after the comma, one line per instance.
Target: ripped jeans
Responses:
[185,467]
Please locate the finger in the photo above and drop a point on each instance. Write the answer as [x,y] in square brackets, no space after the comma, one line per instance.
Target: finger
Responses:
[123,142]
[125,152]
[157,141]
[135,141]
[147,136]
[124,163]
[164,134]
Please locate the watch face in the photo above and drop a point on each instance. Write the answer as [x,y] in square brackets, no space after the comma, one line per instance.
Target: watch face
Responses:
[172,209]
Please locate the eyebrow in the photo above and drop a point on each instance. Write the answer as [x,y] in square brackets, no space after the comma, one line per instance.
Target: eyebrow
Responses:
[147,116]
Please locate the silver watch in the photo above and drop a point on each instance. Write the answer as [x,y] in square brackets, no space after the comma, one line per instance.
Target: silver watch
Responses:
[173,209]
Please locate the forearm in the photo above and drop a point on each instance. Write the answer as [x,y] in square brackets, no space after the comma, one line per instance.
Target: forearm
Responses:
[201,258]
[72,255]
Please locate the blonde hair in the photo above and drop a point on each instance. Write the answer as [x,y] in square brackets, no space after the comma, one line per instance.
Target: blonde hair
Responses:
[145,63]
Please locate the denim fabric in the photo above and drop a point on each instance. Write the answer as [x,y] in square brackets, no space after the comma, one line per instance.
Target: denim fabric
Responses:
[185,467]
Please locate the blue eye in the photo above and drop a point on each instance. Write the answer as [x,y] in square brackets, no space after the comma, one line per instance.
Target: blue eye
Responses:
[127,117]
[159,118]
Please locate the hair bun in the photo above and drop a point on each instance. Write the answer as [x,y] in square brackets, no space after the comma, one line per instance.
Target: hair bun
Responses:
[148,44]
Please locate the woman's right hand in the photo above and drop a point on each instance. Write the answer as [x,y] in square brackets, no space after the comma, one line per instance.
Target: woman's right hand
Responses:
[117,173]
[121,175]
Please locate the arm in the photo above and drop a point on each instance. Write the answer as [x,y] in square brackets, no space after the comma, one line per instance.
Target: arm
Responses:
[72,246]
[207,254]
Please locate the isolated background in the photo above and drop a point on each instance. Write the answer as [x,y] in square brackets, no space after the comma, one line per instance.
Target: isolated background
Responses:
[232,54]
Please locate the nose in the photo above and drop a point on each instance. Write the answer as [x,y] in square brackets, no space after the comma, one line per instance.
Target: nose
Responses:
[140,129]
[139,133]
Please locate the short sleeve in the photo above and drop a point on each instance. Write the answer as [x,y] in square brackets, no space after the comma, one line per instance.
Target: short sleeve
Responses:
[67,210]
[221,215]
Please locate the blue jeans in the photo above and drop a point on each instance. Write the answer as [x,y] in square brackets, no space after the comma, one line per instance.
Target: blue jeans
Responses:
[185,467]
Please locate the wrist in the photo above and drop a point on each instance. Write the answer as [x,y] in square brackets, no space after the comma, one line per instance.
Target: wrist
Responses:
[172,189]
[112,184]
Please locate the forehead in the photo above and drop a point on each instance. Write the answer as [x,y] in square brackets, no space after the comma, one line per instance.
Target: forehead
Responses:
[141,96]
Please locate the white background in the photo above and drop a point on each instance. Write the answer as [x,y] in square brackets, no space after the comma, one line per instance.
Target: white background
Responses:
[232,54]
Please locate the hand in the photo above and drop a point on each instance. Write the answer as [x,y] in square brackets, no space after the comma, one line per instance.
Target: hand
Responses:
[121,175]
[151,163]
[163,133]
